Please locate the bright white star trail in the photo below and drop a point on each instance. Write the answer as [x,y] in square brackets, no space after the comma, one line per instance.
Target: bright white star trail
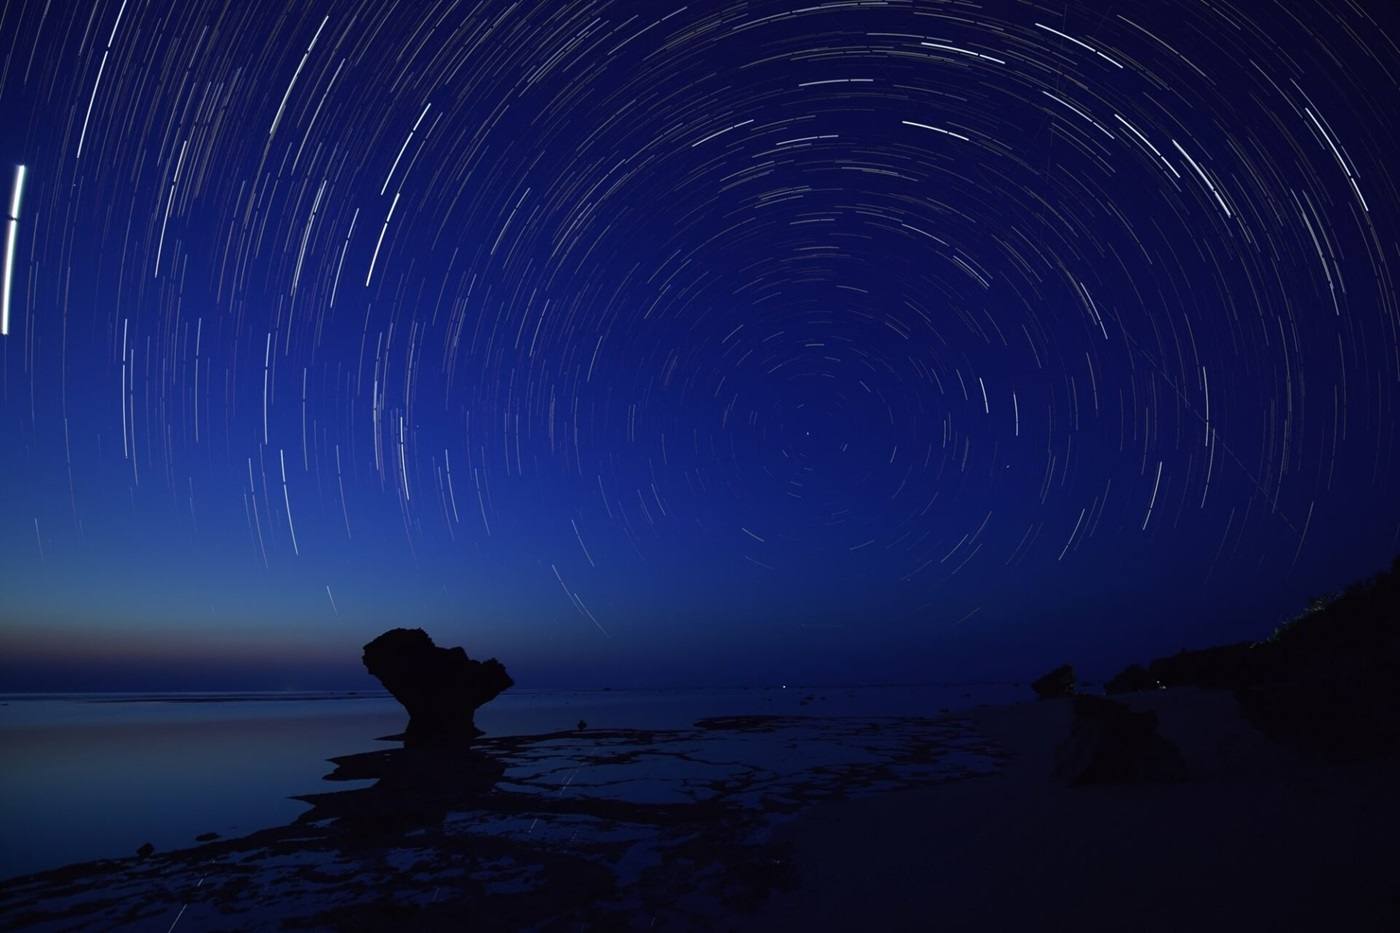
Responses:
[791,335]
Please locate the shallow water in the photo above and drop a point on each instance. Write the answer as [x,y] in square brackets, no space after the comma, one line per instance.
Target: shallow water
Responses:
[90,776]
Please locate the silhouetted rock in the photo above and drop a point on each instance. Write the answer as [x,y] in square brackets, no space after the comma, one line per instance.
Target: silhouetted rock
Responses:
[1057,683]
[414,787]
[146,850]
[206,837]
[1131,679]
[582,725]
[440,687]
[1111,744]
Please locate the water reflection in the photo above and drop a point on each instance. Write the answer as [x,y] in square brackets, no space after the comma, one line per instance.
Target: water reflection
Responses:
[414,788]
[90,777]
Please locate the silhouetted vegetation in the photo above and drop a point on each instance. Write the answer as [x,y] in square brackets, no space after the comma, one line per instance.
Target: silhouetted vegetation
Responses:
[1327,681]
[1220,667]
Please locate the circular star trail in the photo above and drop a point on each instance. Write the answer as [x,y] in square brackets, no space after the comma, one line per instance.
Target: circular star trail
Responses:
[710,334]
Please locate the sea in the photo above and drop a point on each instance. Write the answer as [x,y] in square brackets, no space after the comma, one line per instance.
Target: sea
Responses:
[97,775]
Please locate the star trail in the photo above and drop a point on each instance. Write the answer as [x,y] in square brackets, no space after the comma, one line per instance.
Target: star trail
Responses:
[750,338]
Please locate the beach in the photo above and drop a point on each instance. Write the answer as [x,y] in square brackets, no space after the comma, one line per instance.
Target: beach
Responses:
[1257,838]
[785,821]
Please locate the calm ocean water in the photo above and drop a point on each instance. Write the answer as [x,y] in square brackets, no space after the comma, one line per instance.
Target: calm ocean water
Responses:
[90,776]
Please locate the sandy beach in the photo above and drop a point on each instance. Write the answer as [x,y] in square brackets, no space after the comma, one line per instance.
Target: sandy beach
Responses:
[1255,839]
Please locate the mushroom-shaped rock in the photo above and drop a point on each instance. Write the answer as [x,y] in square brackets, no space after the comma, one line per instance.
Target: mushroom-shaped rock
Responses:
[440,687]
[1058,683]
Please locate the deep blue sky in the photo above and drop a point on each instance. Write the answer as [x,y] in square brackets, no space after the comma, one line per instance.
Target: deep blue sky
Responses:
[642,344]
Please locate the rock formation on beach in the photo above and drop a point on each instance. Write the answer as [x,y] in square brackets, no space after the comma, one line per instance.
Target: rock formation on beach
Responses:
[1112,744]
[440,687]
[1131,679]
[1058,683]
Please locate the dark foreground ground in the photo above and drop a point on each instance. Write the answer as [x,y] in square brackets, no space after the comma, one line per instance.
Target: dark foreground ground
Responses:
[612,830]
[788,823]
[1256,840]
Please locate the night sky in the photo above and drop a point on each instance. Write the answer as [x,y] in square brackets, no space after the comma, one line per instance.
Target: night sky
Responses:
[649,343]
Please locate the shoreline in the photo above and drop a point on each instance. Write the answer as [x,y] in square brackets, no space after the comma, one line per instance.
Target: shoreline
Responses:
[790,823]
[123,774]
[603,826]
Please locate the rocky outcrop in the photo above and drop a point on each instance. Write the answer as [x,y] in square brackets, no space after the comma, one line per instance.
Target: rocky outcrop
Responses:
[1058,683]
[1111,744]
[1131,679]
[441,688]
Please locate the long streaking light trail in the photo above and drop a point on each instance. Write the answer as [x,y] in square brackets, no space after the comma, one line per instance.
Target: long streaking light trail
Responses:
[11,234]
